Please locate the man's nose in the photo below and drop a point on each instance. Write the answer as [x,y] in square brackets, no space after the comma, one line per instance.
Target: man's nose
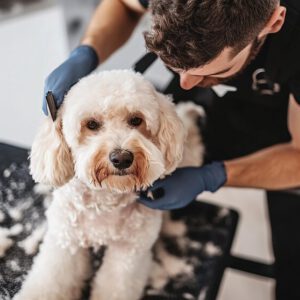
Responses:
[189,81]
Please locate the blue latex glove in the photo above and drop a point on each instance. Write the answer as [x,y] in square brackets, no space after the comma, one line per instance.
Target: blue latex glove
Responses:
[82,61]
[182,186]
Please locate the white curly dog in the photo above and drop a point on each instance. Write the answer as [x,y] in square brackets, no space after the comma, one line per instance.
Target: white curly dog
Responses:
[114,135]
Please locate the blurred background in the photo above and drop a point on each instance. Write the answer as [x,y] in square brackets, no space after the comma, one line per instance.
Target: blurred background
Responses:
[36,36]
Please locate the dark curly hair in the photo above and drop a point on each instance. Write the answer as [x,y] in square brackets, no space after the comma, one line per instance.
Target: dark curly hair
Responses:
[187,34]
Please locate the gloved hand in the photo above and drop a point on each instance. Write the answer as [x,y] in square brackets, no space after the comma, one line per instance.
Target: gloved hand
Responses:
[182,186]
[82,61]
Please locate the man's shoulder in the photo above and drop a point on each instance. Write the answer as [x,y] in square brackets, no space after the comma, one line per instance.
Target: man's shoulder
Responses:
[294,4]
[284,47]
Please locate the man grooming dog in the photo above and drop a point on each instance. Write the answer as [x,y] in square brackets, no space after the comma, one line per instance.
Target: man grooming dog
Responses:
[253,127]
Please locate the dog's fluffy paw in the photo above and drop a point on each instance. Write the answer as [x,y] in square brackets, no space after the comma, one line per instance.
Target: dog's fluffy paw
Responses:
[36,295]
[25,296]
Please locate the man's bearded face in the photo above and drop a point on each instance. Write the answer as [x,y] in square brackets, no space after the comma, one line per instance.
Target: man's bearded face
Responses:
[212,74]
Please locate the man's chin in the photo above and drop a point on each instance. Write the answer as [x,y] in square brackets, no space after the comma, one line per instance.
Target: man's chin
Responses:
[212,82]
[205,86]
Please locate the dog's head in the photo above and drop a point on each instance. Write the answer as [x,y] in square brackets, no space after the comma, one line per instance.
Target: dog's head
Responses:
[114,131]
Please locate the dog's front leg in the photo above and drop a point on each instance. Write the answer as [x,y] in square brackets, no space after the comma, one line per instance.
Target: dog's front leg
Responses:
[123,274]
[56,273]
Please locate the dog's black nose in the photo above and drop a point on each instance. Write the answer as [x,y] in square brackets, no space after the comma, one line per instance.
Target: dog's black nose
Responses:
[121,159]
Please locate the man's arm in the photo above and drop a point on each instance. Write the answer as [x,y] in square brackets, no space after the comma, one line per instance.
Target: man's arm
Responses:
[276,167]
[112,25]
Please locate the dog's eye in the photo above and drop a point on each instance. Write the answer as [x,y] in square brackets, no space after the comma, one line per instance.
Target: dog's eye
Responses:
[93,125]
[135,121]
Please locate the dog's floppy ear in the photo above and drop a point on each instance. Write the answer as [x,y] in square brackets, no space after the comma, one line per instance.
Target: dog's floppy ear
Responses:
[51,160]
[171,134]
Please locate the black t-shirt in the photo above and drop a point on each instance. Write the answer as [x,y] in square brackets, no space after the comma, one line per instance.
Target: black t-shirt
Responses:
[253,113]
[145,3]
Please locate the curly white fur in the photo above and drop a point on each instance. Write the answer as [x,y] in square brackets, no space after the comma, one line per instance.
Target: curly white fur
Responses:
[96,204]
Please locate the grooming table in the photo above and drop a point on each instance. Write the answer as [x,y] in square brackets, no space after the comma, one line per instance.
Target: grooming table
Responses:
[205,246]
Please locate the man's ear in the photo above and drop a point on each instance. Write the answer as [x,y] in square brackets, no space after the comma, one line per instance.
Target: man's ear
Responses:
[51,160]
[275,23]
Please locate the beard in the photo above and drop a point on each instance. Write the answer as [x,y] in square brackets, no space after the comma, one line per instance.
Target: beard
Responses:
[208,82]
